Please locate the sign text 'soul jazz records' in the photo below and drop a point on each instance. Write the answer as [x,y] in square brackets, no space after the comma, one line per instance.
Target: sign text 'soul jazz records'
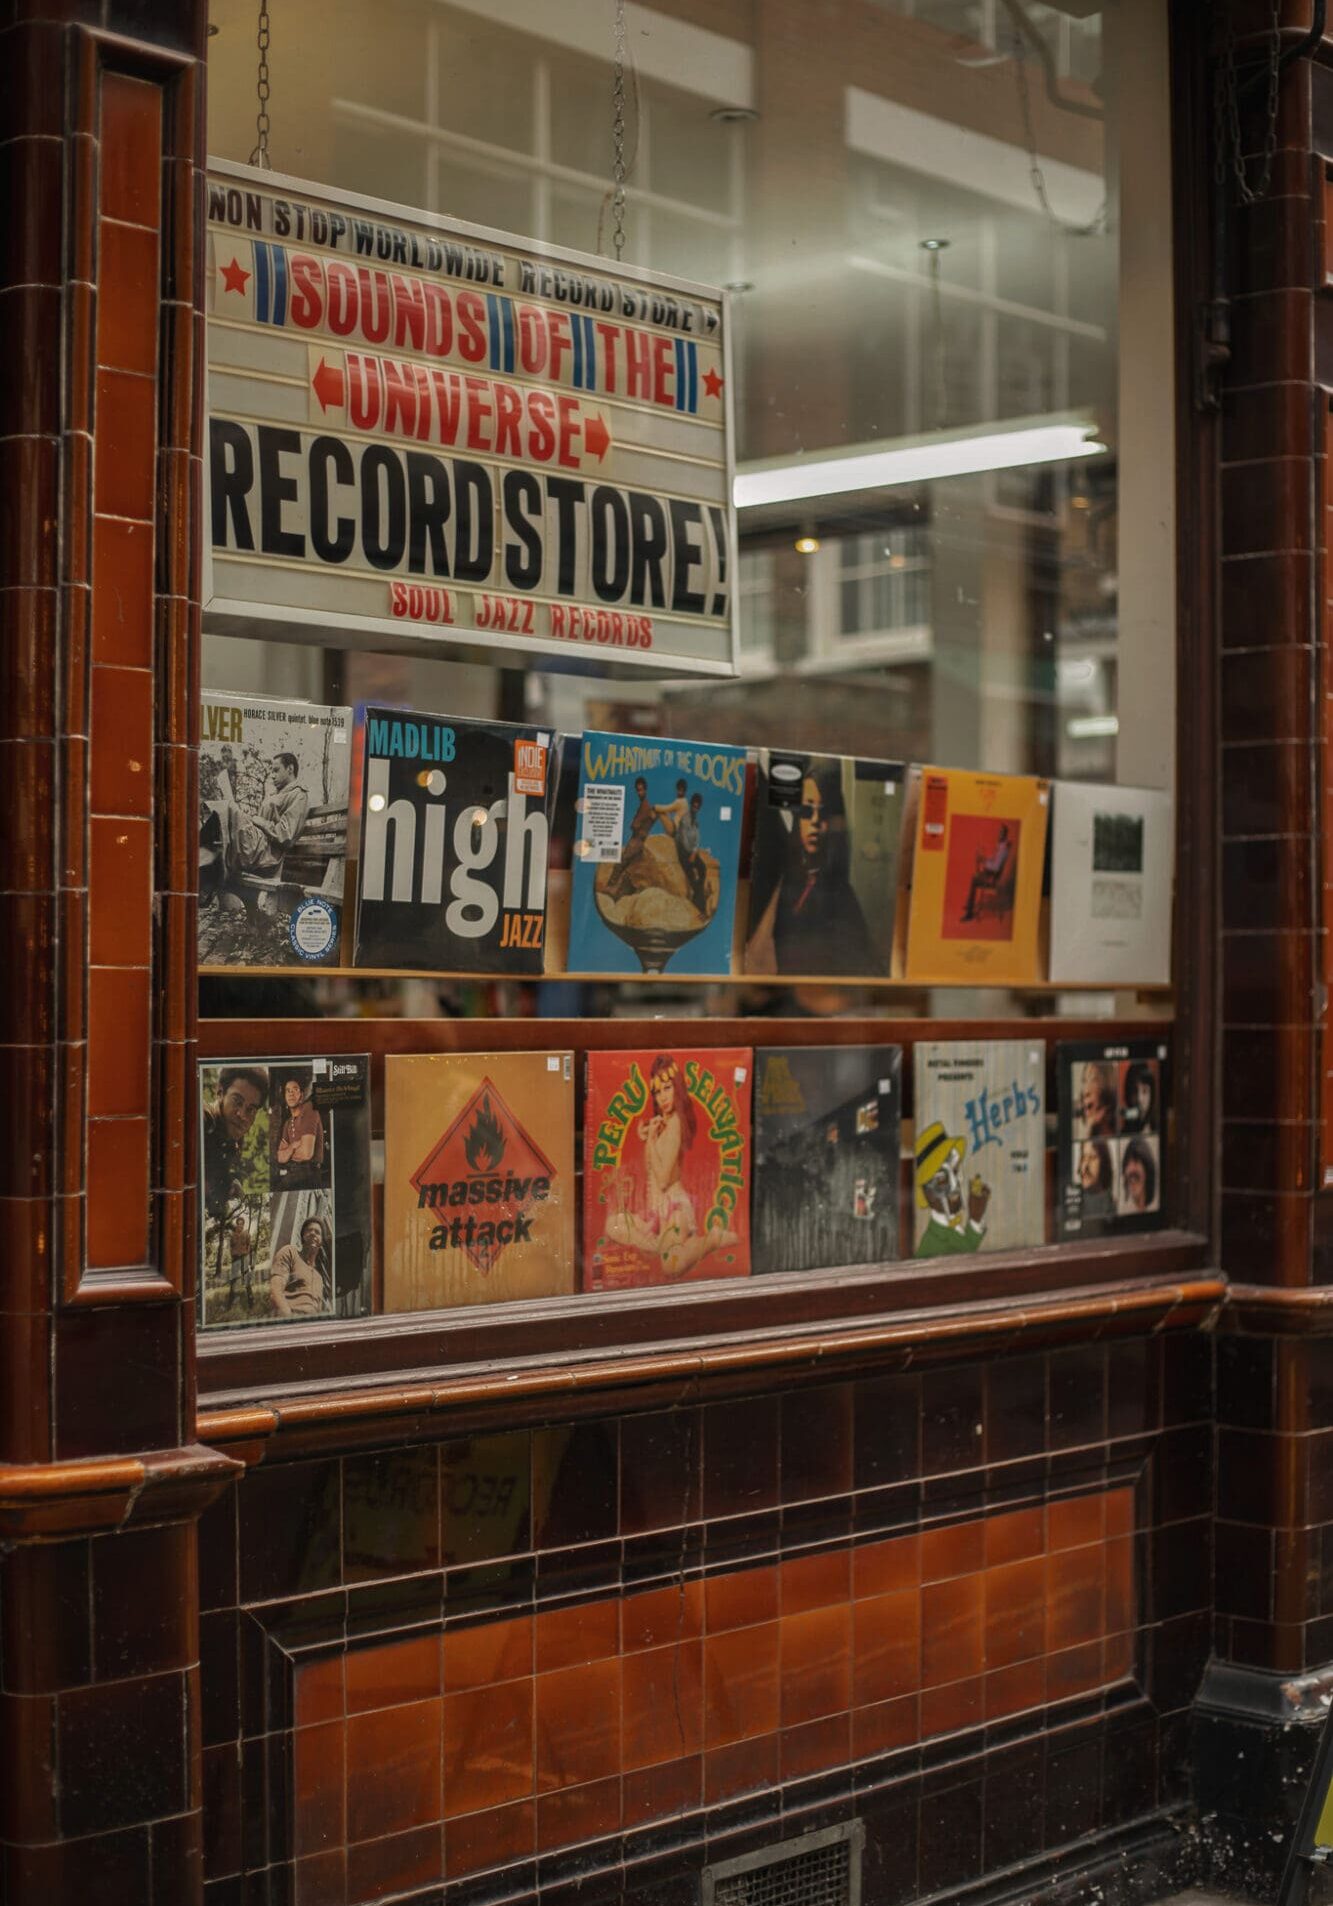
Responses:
[443,434]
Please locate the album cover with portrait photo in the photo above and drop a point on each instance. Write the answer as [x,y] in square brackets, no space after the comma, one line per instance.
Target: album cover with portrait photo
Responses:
[285,1229]
[824,868]
[656,854]
[976,858]
[1113,1103]
[826,1121]
[1112,856]
[666,1166]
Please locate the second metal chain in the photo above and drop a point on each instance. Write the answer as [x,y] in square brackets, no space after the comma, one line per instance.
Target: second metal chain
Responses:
[263,124]
[1229,135]
[618,167]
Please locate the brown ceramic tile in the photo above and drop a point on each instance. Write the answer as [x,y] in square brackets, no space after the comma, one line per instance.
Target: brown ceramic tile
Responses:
[1076,1397]
[816,1430]
[660,1792]
[578,1725]
[879,1567]
[956,1549]
[127,305]
[885,1726]
[318,1690]
[887,1413]
[951,1630]
[950,1709]
[1266,599]
[319,1784]
[1074,1521]
[740,1684]
[93,1418]
[656,1616]
[1270,338]
[1075,1599]
[815,1581]
[379,1540]
[815,1664]
[118,1173]
[131,139]
[741,1456]
[119,1749]
[393,1770]
[123,596]
[393,1673]
[662,1704]
[118,1041]
[660,1461]
[30,336]
[741,1598]
[45,1618]
[122,780]
[485,1485]
[1015,1619]
[402,1863]
[815,1747]
[28,501]
[476,1841]
[485,1652]
[1072,1671]
[27,684]
[488,1750]
[886,1646]
[289,1524]
[125,469]
[321,1879]
[744,1767]
[1015,1689]
[30,182]
[136,1633]
[580,1467]
[578,1813]
[120,893]
[583,1631]
[1015,1534]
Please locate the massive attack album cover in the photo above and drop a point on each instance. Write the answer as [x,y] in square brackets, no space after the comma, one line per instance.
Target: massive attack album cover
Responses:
[826,1156]
[455,824]
[478,1178]
[666,1166]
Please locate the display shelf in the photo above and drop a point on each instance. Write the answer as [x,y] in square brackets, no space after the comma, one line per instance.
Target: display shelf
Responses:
[1042,987]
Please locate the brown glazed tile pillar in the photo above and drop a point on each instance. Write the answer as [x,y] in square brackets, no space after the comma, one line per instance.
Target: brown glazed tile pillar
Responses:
[101,111]
[1274,1531]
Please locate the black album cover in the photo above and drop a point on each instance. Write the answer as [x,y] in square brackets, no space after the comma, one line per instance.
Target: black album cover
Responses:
[284,1235]
[826,1156]
[455,824]
[1112,1147]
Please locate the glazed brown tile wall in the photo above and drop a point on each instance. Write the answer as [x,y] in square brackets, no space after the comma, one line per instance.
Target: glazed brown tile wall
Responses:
[519,1660]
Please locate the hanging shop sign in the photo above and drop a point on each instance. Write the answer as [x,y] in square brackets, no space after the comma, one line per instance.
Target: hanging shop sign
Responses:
[437,435]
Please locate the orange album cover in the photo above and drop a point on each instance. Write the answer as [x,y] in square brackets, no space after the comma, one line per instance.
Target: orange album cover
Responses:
[979,843]
[478,1178]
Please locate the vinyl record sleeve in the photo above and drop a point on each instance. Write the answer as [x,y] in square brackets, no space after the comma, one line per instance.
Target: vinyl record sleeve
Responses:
[976,871]
[1112,854]
[455,831]
[826,1122]
[824,870]
[284,1147]
[1111,1161]
[478,1178]
[979,1147]
[656,852]
[666,1166]
[273,786]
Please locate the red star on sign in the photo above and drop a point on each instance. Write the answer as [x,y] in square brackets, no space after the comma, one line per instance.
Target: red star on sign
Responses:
[235,279]
[712,384]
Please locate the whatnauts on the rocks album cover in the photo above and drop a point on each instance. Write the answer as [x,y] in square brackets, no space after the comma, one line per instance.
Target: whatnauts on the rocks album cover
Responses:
[666,1166]
[273,781]
[656,852]
[824,872]
[826,1156]
[284,1234]
[1111,1154]
[979,1146]
[455,824]
[479,1197]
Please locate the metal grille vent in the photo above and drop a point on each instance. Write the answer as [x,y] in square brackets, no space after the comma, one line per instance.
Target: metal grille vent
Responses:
[820,1869]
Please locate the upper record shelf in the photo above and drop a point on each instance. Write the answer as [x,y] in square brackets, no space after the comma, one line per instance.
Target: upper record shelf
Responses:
[1043,987]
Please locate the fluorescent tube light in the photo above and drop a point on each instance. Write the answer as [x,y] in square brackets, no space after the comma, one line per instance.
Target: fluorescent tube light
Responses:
[919,462]
[1089,727]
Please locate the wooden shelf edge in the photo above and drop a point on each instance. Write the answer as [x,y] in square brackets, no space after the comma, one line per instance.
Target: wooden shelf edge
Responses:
[1145,989]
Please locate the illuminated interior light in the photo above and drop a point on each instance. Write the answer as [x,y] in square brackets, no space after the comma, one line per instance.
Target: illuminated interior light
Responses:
[924,461]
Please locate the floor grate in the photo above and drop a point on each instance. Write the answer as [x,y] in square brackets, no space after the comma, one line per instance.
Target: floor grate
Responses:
[820,1869]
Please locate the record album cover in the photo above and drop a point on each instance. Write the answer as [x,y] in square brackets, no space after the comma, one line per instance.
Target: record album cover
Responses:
[976,869]
[272,831]
[455,826]
[478,1178]
[980,1146]
[666,1166]
[826,1156]
[1111,1154]
[656,851]
[285,1228]
[825,865]
[1111,866]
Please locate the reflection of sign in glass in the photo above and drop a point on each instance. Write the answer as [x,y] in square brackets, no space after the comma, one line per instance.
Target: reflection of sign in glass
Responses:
[443,434]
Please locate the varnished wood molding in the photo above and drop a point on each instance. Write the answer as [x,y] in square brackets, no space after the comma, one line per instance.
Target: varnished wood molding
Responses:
[1285,1311]
[648,1377]
[88,1498]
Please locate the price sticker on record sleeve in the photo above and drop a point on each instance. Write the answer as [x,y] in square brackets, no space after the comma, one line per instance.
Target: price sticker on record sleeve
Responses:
[603,835]
[530,768]
[934,813]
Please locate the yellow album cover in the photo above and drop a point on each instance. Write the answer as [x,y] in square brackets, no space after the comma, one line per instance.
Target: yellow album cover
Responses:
[479,1194]
[979,842]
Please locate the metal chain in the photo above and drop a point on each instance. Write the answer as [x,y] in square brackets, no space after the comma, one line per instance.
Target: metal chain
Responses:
[1229,137]
[263,124]
[618,167]
[1097,223]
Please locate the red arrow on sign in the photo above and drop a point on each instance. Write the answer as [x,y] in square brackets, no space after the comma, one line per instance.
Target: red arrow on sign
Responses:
[597,437]
[328,385]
